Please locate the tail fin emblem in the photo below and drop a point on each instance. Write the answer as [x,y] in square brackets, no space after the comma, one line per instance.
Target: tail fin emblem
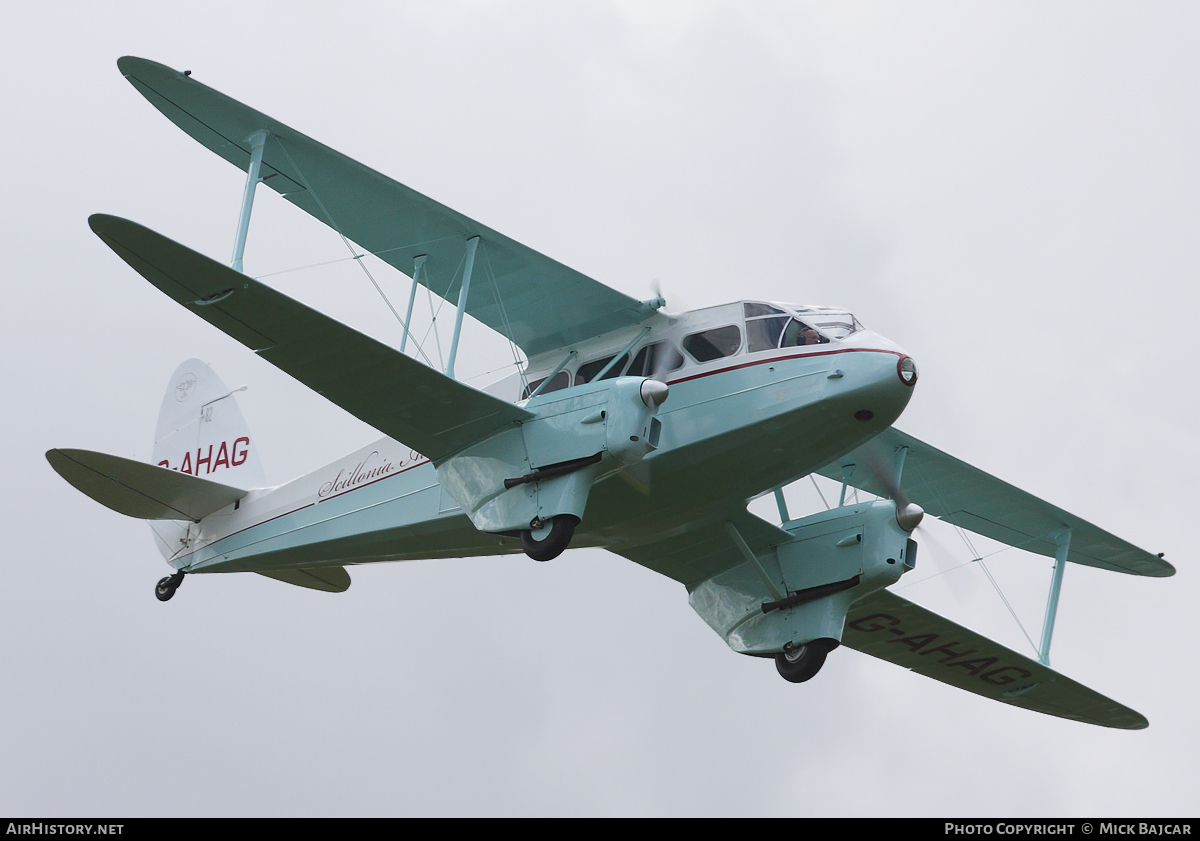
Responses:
[183,389]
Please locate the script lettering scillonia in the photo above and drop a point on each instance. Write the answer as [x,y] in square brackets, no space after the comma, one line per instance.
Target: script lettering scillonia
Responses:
[368,470]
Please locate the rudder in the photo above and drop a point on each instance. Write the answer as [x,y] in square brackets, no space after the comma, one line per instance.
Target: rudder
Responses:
[201,430]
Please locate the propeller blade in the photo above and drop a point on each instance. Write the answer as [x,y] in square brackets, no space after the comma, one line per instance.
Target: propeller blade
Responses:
[679,310]
[875,462]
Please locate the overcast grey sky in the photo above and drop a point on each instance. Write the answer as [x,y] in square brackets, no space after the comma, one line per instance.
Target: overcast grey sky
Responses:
[1008,191]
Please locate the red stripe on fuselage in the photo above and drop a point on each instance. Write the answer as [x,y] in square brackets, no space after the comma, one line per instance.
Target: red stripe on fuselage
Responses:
[669,382]
[781,359]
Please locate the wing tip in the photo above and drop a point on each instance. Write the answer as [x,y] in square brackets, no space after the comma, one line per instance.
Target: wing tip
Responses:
[131,65]
[109,227]
[1165,568]
[98,222]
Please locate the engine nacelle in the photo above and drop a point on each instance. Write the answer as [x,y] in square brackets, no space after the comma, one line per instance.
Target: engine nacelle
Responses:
[833,559]
[547,466]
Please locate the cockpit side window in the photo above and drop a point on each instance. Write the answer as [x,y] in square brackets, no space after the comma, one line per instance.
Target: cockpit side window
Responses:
[798,334]
[561,380]
[588,371]
[655,359]
[708,345]
[764,333]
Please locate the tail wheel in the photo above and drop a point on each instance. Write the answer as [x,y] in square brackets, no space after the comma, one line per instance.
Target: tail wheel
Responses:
[166,587]
[798,663]
[548,543]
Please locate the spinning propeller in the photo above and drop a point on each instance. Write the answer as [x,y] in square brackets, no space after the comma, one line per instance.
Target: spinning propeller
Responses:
[887,477]
[909,515]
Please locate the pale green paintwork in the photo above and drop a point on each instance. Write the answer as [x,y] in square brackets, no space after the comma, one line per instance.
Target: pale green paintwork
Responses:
[737,424]
[141,490]
[728,433]
[811,556]
[891,628]
[396,223]
[606,418]
[329,579]
[392,392]
[953,490]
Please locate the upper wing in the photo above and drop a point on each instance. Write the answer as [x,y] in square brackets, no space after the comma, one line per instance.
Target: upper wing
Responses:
[535,301]
[954,491]
[888,627]
[394,393]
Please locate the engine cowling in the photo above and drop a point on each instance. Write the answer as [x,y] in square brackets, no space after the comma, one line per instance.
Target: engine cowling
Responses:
[547,466]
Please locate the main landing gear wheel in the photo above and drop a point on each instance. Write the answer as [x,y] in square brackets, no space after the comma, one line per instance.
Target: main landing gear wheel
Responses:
[166,587]
[798,663]
[548,542]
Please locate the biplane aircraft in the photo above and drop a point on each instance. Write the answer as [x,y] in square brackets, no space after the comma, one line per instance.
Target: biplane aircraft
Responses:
[630,428]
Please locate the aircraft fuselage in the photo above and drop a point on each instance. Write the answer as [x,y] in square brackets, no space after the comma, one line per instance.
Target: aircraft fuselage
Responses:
[733,427]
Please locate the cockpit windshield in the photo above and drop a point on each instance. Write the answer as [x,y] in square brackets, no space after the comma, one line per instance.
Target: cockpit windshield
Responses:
[835,325]
[778,326]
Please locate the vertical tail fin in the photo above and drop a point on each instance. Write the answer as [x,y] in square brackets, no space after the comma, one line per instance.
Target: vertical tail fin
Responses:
[201,431]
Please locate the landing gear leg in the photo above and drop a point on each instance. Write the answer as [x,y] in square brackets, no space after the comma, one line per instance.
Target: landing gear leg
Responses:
[548,543]
[166,587]
[798,663]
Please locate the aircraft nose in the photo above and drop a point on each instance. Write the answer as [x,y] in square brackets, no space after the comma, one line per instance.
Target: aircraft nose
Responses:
[883,393]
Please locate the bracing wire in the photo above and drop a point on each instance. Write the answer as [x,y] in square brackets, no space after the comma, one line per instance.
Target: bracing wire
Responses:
[357,257]
[508,334]
[433,312]
[977,558]
[412,245]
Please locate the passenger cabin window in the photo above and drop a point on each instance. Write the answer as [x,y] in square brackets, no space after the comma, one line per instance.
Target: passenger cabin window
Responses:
[708,345]
[655,360]
[561,380]
[588,371]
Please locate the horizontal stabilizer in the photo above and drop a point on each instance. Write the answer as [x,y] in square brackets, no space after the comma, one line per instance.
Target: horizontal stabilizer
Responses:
[954,491]
[141,490]
[888,627]
[326,579]
[402,398]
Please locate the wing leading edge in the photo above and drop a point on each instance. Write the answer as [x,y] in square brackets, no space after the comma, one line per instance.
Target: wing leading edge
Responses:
[402,398]
[958,493]
[537,302]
